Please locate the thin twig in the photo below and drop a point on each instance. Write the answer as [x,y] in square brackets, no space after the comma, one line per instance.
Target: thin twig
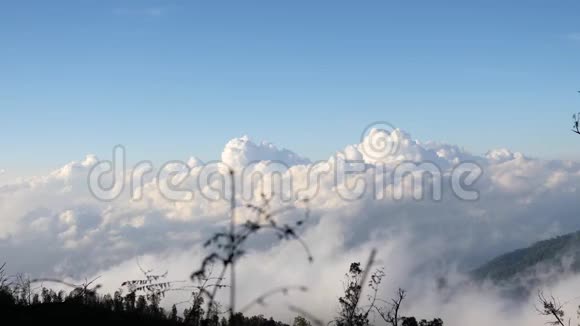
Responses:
[260,300]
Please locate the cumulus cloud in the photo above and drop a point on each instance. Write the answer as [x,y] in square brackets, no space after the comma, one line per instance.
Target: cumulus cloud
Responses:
[241,151]
[52,226]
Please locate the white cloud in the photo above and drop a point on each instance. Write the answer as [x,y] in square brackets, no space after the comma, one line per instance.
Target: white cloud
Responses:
[53,227]
[240,152]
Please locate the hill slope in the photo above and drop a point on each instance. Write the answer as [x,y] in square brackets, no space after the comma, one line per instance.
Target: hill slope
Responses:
[542,260]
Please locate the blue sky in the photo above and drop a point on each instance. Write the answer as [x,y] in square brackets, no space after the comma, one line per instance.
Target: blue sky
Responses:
[172,78]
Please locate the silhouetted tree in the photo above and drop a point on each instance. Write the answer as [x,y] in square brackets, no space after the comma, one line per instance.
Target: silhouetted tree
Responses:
[130,302]
[140,306]
[194,316]
[108,302]
[6,297]
[23,289]
[118,301]
[552,308]
[173,315]
[350,313]
[390,313]
[301,321]
[353,313]
[228,245]
[152,286]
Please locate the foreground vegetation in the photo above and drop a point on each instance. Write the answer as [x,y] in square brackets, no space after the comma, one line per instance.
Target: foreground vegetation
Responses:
[23,303]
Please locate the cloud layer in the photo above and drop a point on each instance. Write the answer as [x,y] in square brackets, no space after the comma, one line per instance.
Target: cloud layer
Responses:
[52,226]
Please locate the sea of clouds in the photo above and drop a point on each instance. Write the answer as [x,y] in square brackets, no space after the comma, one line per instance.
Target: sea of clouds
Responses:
[52,226]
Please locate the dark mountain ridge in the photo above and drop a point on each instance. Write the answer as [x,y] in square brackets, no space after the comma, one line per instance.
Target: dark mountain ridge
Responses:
[522,269]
